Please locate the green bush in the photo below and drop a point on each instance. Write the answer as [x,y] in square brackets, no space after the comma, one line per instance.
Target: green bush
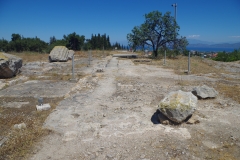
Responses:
[228,57]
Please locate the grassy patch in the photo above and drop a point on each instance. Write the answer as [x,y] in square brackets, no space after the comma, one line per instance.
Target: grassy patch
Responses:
[56,76]
[20,142]
[95,53]
[230,91]
[229,87]
[197,65]
[2,56]
[32,56]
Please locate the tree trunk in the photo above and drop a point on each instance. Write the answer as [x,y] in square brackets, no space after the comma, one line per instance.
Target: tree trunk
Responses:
[155,53]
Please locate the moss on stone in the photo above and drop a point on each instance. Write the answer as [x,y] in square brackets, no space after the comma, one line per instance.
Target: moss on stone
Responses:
[2,56]
[174,105]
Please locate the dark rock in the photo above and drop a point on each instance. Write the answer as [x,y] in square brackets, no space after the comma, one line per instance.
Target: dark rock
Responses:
[9,65]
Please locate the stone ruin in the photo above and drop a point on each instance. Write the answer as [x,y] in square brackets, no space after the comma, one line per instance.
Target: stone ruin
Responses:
[59,54]
[9,65]
[70,54]
[178,105]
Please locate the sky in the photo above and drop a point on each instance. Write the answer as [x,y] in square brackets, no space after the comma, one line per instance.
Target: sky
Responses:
[207,20]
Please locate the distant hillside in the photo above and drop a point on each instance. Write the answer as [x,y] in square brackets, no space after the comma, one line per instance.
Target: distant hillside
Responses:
[220,45]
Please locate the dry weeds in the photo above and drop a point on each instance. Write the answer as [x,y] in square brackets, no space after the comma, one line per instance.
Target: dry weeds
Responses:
[227,86]
[230,91]
[2,56]
[32,56]
[95,53]
[19,142]
[197,66]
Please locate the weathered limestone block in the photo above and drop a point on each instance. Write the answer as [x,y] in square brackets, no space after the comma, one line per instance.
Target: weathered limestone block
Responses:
[70,54]
[58,54]
[9,65]
[205,92]
[178,105]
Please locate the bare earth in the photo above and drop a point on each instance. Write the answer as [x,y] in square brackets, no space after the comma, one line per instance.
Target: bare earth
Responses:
[111,115]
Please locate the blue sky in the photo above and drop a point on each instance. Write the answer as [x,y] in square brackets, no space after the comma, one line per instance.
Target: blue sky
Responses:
[207,20]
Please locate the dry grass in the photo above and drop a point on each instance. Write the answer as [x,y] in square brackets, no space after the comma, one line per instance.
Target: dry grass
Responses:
[197,65]
[2,56]
[95,53]
[32,56]
[20,142]
[227,86]
[231,91]
[56,76]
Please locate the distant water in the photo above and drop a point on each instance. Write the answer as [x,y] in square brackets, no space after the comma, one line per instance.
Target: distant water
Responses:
[210,49]
[200,49]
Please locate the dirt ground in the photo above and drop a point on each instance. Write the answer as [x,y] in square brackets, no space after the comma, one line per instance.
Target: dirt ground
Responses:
[112,114]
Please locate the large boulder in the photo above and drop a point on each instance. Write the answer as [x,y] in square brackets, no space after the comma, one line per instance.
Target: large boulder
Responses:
[58,54]
[178,105]
[204,92]
[9,65]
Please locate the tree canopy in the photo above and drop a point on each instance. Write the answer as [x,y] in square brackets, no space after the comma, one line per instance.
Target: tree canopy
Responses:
[99,42]
[158,31]
[72,41]
[19,43]
[228,57]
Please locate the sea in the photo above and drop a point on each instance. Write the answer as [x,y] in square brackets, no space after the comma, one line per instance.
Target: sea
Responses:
[201,49]
[210,49]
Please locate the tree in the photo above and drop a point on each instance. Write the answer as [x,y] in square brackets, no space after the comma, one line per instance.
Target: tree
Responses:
[158,31]
[74,41]
[228,57]
[52,40]
[4,45]
[61,42]
[98,42]
[16,37]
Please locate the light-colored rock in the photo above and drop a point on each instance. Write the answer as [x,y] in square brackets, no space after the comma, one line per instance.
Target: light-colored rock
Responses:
[70,54]
[43,107]
[178,105]
[14,104]
[193,120]
[2,141]
[20,126]
[9,65]
[58,54]
[205,92]
[70,135]
[18,80]
[2,85]
[122,86]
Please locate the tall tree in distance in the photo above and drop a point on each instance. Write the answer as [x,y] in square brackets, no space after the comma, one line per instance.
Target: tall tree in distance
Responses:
[74,41]
[99,41]
[157,31]
[16,37]
[52,40]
